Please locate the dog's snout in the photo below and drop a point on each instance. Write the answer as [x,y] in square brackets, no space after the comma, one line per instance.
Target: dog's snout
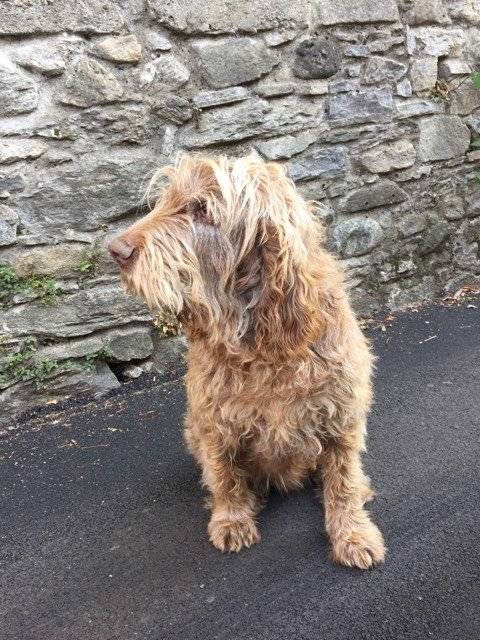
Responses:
[122,251]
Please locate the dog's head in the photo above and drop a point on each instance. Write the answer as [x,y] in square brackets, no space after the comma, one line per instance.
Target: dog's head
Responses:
[232,248]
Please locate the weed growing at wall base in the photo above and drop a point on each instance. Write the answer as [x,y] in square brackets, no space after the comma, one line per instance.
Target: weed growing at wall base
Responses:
[44,287]
[8,281]
[22,366]
[15,367]
[88,362]
[89,263]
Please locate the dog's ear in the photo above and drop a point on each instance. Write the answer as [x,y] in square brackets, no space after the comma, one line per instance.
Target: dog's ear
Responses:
[288,317]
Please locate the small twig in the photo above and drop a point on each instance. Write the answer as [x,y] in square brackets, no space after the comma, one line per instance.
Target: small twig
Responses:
[94,446]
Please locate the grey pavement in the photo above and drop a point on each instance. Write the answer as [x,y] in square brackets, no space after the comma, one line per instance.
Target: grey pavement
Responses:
[103,533]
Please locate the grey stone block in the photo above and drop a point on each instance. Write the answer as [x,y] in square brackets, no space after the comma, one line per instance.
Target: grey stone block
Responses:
[276,38]
[168,354]
[473,206]
[251,118]
[231,61]
[40,58]
[14,150]
[380,42]
[380,69]
[437,41]
[89,83]
[423,73]
[9,220]
[286,146]
[355,237]
[387,157]
[343,86]
[436,233]
[375,105]
[357,51]
[312,88]
[451,207]
[205,99]
[106,125]
[219,16]
[130,344]
[96,16]
[418,107]
[18,93]
[404,88]
[316,58]
[267,89]
[402,297]
[59,261]
[465,99]
[427,12]
[121,344]
[333,12]
[411,224]
[174,108]
[442,137]
[120,49]
[165,72]
[451,67]
[157,41]
[79,314]
[83,195]
[465,10]
[379,194]
[319,163]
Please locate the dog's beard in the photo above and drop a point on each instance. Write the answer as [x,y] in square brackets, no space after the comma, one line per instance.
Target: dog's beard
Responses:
[159,285]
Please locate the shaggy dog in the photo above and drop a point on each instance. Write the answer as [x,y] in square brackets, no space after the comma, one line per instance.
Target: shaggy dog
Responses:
[279,371]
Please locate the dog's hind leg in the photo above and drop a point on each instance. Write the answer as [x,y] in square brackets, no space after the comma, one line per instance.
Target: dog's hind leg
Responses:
[234,506]
[356,541]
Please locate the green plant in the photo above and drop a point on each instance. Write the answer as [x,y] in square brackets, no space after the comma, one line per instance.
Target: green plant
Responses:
[18,366]
[44,287]
[88,265]
[90,359]
[41,370]
[22,366]
[8,281]
[15,366]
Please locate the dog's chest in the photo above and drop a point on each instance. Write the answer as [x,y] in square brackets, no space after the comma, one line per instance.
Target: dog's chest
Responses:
[274,412]
[283,435]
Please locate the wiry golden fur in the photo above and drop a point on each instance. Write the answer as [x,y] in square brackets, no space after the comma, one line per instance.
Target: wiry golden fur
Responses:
[279,372]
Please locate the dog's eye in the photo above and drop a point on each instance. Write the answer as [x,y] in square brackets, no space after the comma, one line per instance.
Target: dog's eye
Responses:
[198,210]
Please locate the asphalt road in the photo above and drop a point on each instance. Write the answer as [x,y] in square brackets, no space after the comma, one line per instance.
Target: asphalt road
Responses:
[103,534]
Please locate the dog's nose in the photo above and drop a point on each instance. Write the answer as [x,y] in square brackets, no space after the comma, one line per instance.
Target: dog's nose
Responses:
[122,251]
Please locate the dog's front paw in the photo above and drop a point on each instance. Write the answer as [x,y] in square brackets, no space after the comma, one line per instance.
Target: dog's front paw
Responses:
[233,535]
[362,547]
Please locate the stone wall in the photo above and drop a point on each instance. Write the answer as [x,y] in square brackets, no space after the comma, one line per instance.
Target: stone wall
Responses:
[370,104]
